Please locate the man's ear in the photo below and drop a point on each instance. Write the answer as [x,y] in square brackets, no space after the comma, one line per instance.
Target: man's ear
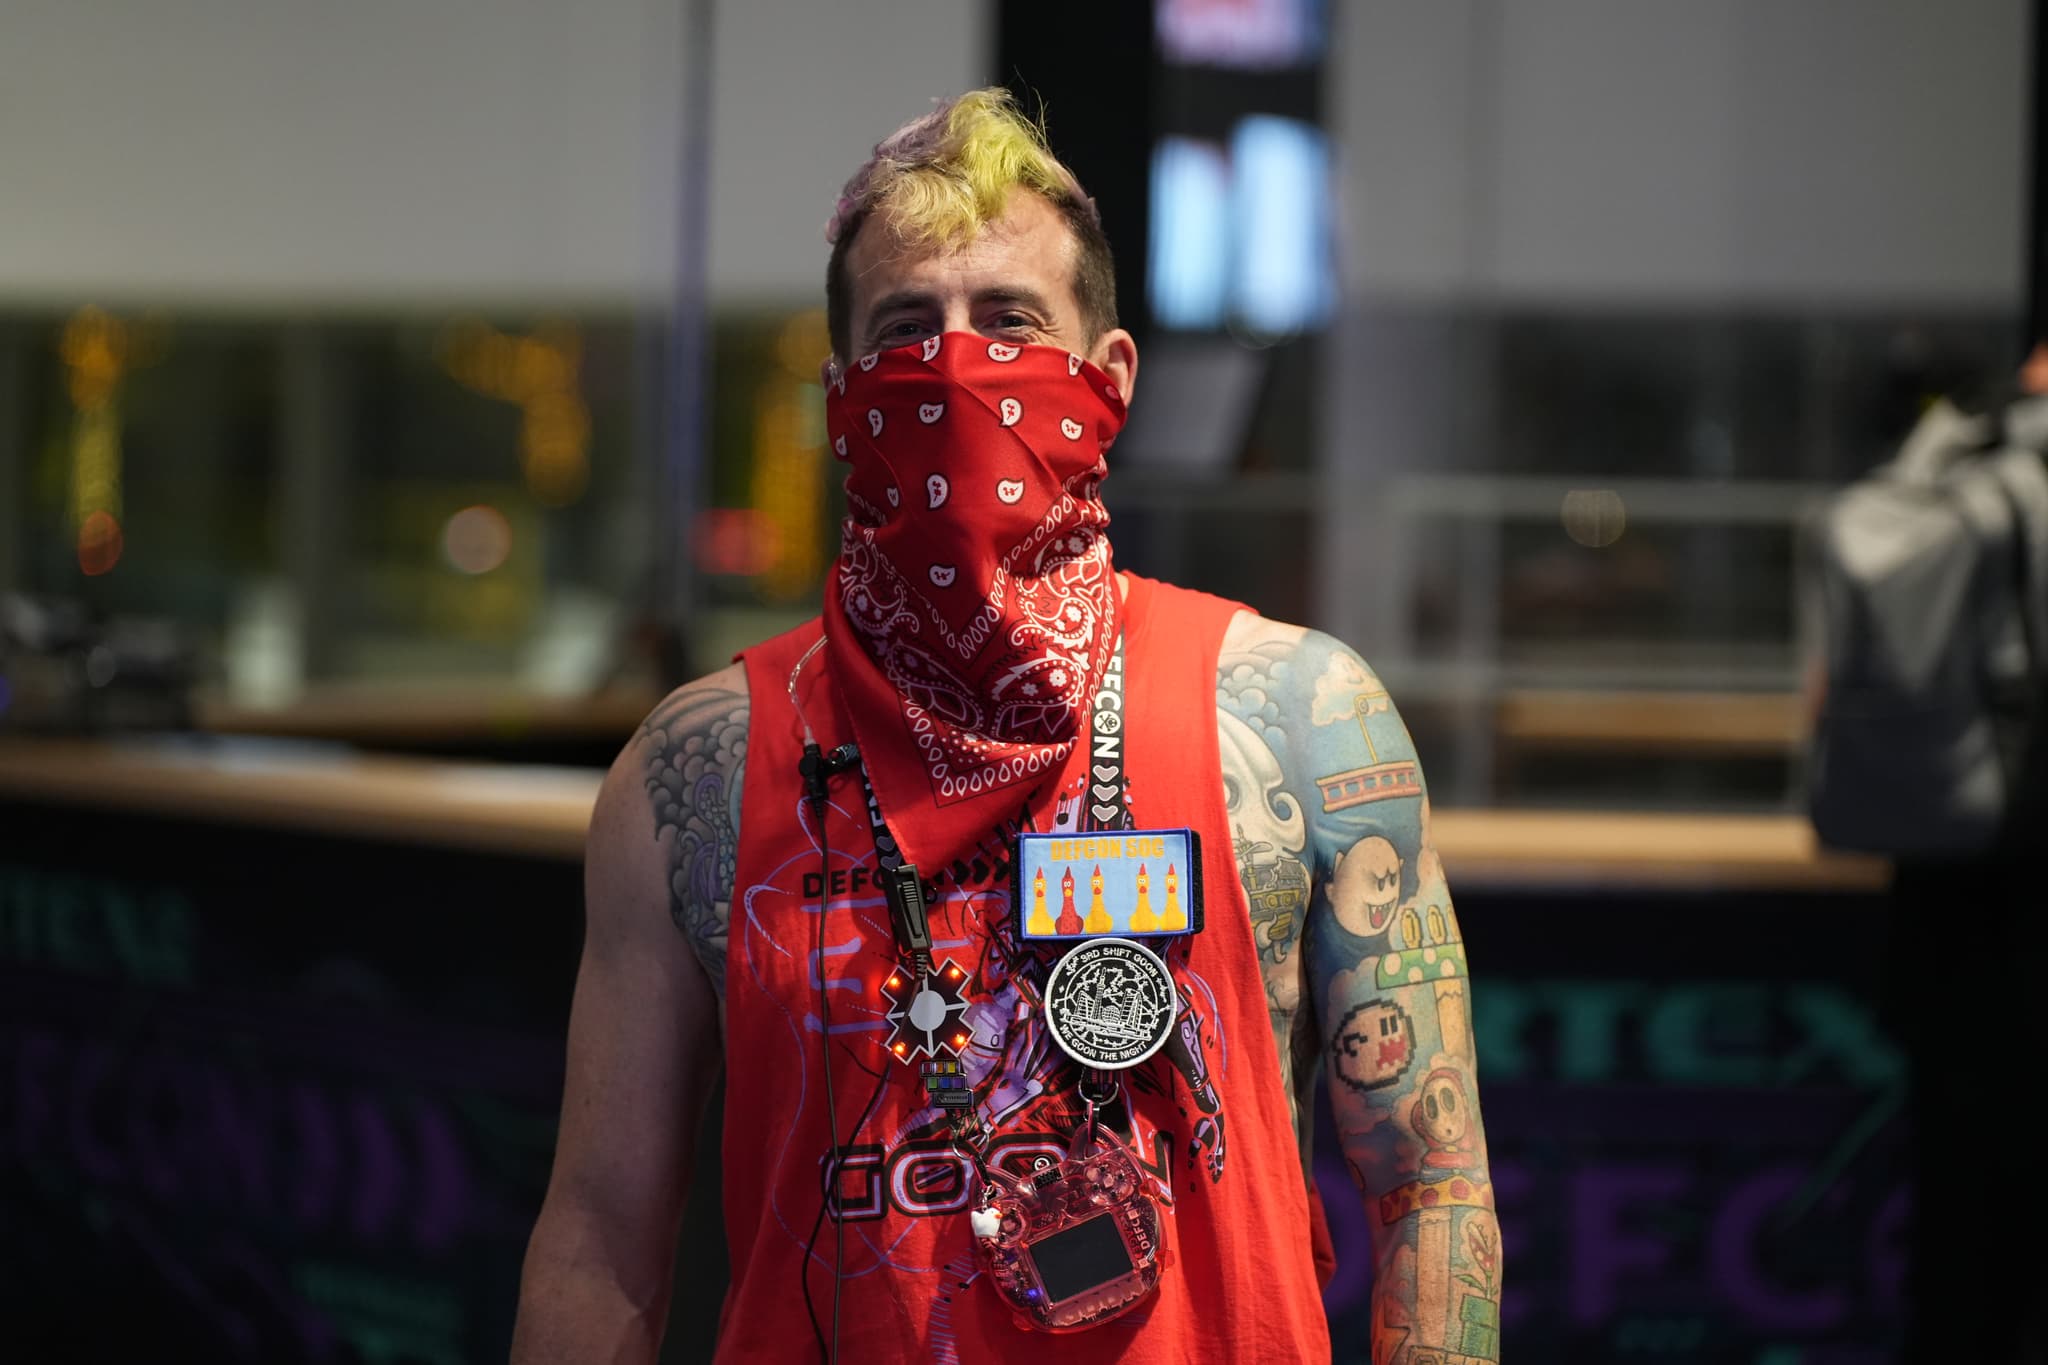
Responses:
[1116,355]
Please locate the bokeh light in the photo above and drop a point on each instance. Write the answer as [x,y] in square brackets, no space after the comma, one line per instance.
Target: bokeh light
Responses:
[804,344]
[540,373]
[99,543]
[477,539]
[1594,517]
[735,542]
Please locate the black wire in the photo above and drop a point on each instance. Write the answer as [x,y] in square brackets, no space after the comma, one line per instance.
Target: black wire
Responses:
[831,1353]
[831,1190]
[818,1223]
[831,1105]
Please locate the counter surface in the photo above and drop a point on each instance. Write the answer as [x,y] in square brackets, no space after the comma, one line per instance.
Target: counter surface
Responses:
[542,812]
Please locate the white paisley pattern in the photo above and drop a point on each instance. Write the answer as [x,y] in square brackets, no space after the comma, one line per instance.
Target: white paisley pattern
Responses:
[1055,642]
[987,618]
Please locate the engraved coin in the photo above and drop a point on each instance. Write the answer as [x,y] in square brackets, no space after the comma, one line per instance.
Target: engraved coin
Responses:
[1109,1003]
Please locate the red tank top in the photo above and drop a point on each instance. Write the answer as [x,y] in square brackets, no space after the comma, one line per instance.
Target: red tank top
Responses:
[1209,1123]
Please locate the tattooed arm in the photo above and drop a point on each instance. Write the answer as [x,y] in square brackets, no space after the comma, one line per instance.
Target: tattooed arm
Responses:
[1375,970]
[643,1032]
[693,753]
[1269,835]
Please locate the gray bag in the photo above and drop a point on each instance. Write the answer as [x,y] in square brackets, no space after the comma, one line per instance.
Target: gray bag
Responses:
[1927,598]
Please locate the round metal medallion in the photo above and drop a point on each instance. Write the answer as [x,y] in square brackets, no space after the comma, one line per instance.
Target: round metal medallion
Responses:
[1109,1003]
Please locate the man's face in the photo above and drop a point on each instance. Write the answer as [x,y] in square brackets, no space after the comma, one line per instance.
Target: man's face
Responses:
[1013,282]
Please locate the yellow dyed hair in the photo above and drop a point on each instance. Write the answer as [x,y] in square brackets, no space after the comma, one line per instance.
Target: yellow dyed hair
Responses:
[940,179]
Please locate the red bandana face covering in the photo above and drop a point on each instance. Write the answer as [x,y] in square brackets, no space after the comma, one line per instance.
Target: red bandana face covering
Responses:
[974,609]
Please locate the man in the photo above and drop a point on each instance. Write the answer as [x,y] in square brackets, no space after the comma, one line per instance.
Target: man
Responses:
[989,713]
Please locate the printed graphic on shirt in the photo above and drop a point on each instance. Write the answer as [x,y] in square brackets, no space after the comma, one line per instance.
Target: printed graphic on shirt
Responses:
[901,1162]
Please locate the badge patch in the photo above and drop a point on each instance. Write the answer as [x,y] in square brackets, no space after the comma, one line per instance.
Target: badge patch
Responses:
[1109,1003]
[1127,883]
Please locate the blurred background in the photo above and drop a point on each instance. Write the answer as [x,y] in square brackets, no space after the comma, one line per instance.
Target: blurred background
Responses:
[396,399]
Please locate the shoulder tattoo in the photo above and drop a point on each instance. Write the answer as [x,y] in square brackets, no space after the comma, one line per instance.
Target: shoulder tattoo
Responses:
[1268,832]
[694,746]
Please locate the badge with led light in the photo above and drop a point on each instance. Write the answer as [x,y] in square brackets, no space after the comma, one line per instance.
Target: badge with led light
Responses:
[925,1013]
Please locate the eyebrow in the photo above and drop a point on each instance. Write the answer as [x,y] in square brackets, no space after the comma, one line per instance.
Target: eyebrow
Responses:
[900,301]
[1015,293]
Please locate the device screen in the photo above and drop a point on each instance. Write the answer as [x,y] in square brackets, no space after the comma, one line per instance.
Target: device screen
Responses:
[1081,1257]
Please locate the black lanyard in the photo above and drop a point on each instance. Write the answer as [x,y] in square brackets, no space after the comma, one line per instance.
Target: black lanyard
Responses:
[1104,805]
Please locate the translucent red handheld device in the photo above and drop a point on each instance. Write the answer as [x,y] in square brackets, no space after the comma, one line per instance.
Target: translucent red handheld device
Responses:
[1073,1244]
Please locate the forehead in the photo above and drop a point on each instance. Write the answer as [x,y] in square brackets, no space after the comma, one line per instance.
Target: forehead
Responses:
[1029,247]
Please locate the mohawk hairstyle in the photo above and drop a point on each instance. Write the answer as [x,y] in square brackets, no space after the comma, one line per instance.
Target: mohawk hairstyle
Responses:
[940,179]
